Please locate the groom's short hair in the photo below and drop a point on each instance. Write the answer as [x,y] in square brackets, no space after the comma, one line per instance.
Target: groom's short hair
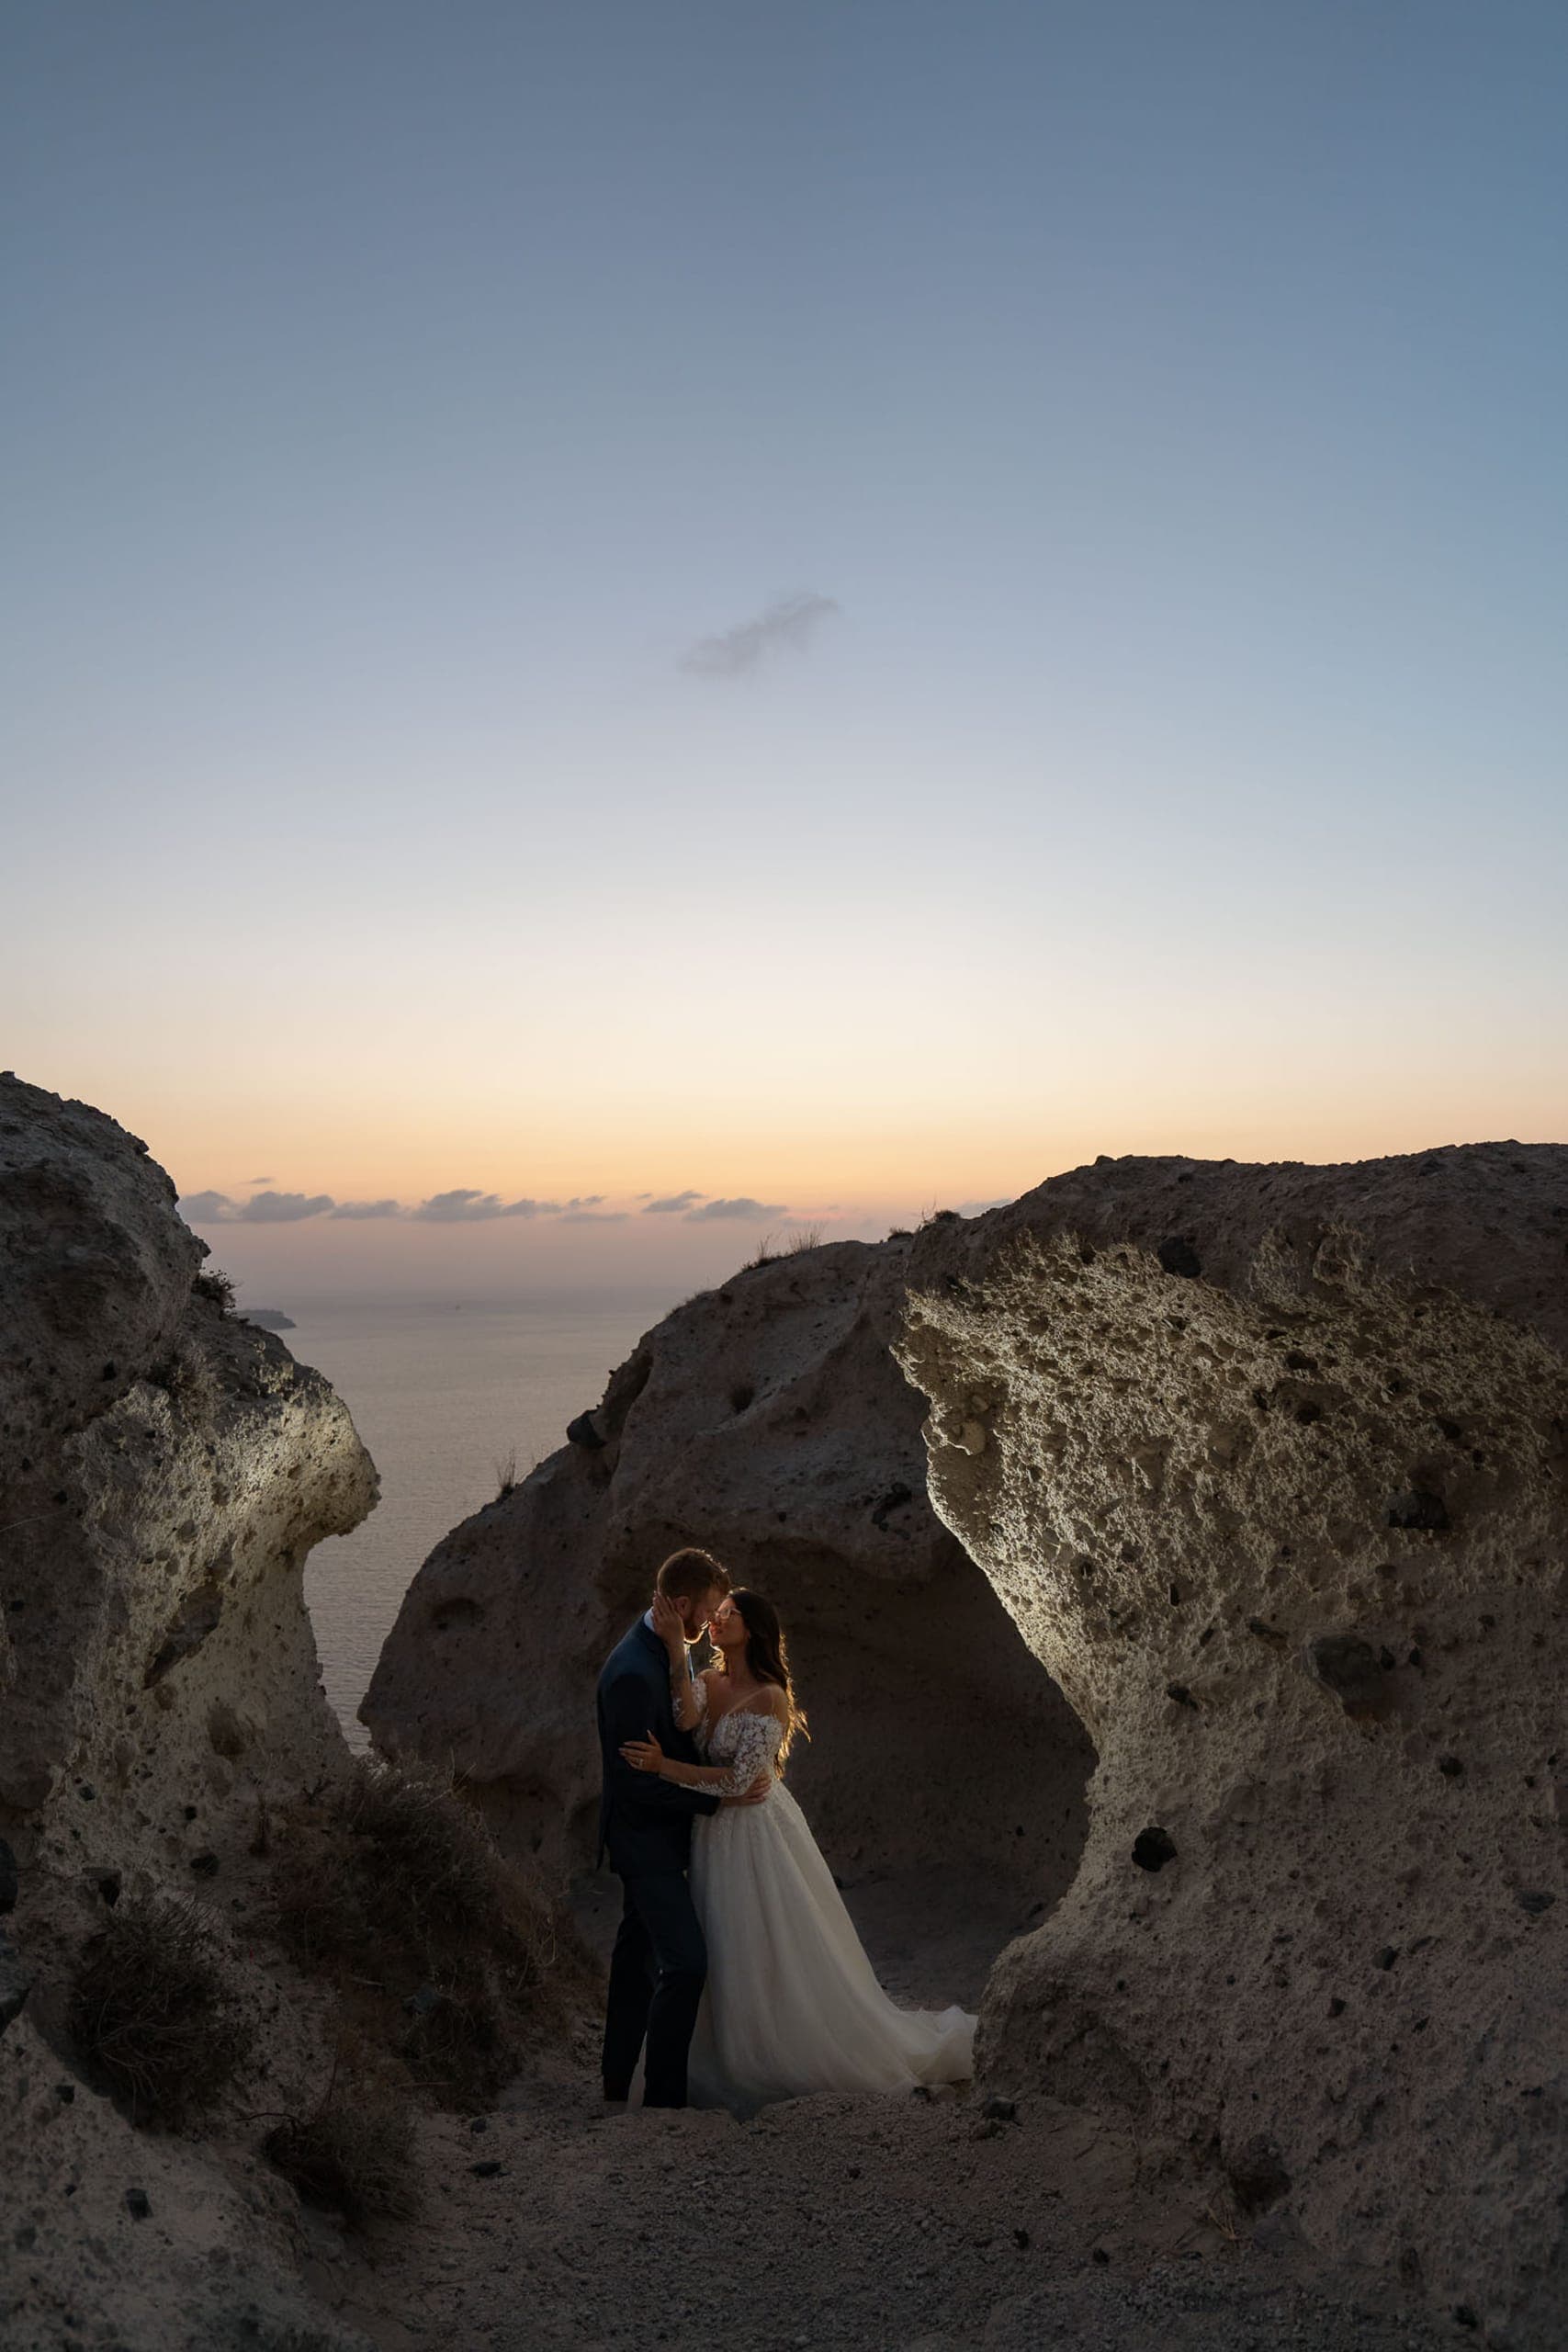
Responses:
[687,1572]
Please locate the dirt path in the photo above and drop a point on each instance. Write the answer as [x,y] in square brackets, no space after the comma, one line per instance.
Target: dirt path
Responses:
[555,2226]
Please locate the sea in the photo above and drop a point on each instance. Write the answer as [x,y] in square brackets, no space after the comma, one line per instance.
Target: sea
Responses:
[448,1398]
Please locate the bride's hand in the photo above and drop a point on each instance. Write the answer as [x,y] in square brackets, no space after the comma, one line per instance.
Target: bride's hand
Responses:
[643,1755]
[668,1626]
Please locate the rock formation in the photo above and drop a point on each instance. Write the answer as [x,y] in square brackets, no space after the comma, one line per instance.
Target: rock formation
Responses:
[767,1421]
[1268,1467]
[1264,1468]
[164,1470]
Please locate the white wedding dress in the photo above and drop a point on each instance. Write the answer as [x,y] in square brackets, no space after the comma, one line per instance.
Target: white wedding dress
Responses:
[791,2003]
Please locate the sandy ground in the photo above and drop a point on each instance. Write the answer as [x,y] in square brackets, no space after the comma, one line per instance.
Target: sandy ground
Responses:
[830,2222]
[827,2223]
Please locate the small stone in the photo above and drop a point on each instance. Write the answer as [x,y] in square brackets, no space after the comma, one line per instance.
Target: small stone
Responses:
[1535,1901]
[205,1865]
[582,1432]
[488,2168]
[137,2204]
[1101,2256]
[1020,2239]
[1388,1955]
[1000,2110]
[1180,1695]
[1450,1768]
[1349,1667]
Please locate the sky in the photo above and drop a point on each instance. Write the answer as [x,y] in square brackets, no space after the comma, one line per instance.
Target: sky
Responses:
[830,609]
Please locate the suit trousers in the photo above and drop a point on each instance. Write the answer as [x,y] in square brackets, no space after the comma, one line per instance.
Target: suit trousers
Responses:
[657,1972]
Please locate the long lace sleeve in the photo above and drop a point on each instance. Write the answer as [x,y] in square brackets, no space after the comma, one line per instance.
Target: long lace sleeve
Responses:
[688,1695]
[756,1743]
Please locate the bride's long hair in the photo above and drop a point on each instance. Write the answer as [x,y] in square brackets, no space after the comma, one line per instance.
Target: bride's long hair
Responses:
[767,1656]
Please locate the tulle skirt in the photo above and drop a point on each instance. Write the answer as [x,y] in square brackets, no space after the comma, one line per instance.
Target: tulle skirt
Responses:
[792,2004]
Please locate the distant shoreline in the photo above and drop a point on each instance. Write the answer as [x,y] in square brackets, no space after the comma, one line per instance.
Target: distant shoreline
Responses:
[271,1319]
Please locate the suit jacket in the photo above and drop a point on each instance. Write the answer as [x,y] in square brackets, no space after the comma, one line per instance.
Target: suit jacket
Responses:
[643,1822]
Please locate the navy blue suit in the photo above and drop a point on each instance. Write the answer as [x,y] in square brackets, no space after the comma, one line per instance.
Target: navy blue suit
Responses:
[660,1963]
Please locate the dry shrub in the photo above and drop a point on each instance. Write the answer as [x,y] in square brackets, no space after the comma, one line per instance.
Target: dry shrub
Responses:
[803,1237]
[353,2157]
[437,1945]
[154,2011]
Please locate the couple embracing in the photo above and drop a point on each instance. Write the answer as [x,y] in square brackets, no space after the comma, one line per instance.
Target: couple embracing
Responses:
[736,1963]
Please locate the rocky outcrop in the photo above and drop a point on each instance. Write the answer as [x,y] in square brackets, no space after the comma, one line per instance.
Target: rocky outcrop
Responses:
[164,1470]
[1264,1469]
[1268,1467]
[767,1421]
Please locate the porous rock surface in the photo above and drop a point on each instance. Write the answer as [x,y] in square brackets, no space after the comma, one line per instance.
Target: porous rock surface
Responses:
[164,1470]
[1264,1469]
[767,1420]
[1268,1467]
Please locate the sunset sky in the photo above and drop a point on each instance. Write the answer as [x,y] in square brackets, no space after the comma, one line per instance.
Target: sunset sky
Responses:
[827,608]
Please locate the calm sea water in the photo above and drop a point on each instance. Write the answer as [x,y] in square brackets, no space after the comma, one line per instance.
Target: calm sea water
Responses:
[442,1396]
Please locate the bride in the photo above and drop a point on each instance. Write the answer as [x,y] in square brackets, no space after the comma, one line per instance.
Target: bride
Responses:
[792,2003]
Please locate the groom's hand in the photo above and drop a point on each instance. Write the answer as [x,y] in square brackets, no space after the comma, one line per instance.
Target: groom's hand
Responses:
[755,1793]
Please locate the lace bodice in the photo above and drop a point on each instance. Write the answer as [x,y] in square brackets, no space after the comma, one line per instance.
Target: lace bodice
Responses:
[745,1740]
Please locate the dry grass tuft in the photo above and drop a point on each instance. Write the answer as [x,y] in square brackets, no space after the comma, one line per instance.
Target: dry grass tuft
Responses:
[439,1947]
[154,2011]
[353,2157]
[505,1476]
[804,1238]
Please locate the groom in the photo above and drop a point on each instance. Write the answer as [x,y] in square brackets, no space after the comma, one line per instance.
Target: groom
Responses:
[659,1963]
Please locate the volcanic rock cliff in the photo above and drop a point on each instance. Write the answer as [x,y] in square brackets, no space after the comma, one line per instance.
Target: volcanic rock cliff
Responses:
[1270,1467]
[1264,1469]
[164,1470]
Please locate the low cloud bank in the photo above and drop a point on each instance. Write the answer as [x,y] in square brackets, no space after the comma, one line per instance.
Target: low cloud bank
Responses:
[463,1204]
[712,1211]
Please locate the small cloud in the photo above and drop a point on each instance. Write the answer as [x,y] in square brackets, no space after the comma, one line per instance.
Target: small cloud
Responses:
[714,1210]
[207,1208]
[793,622]
[359,1210]
[673,1203]
[262,1180]
[464,1205]
[584,1201]
[282,1208]
[593,1216]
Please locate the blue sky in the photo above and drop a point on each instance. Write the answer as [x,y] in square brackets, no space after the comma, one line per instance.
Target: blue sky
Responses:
[1167,398]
